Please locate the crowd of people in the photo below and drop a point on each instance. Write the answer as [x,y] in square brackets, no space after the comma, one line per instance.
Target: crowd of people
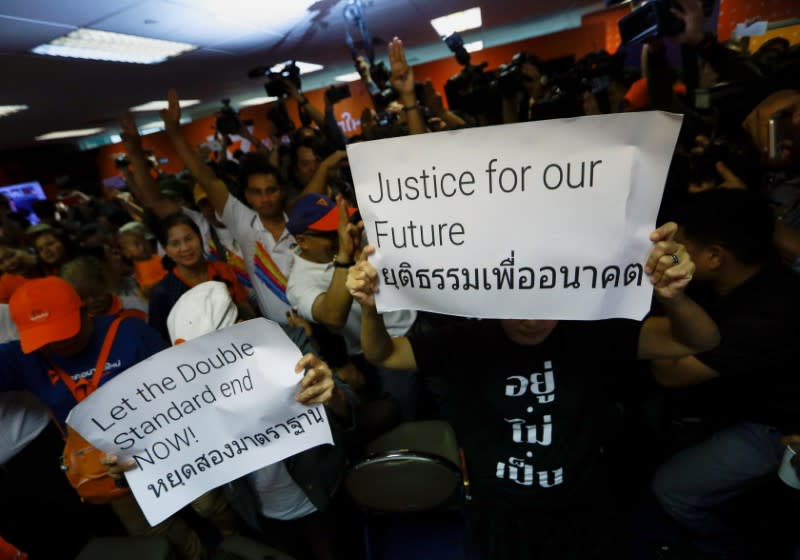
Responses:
[653,439]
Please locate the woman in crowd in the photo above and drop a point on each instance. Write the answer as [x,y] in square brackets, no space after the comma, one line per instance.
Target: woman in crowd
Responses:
[182,241]
[53,248]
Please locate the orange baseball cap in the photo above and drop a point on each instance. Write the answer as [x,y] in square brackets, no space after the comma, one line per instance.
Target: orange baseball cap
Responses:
[45,310]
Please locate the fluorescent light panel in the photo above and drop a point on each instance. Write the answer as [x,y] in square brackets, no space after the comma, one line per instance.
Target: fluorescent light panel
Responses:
[305,67]
[457,22]
[351,77]
[474,46]
[6,110]
[93,44]
[69,133]
[257,101]
[159,105]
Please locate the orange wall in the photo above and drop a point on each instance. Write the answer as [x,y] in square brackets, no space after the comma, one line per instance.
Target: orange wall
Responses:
[732,12]
[609,19]
[590,37]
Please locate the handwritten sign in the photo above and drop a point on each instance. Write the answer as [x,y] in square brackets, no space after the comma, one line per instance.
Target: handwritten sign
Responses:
[541,220]
[201,414]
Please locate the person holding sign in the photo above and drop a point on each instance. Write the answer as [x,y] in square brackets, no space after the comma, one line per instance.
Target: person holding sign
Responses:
[55,359]
[286,502]
[531,408]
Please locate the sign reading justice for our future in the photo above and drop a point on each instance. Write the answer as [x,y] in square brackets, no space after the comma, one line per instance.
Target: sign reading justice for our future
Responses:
[198,415]
[541,220]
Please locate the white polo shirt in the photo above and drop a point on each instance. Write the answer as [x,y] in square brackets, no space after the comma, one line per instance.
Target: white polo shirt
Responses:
[268,262]
[310,279]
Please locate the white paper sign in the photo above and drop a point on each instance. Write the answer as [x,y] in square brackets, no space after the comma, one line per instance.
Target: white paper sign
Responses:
[541,220]
[752,29]
[201,414]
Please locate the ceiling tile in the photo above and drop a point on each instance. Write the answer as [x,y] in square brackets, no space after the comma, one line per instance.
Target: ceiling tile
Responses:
[71,12]
[22,36]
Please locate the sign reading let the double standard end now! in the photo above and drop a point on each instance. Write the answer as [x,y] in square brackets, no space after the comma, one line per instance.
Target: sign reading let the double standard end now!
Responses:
[201,414]
[541,220]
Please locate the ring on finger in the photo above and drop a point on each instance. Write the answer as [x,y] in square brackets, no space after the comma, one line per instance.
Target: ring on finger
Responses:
[675,259]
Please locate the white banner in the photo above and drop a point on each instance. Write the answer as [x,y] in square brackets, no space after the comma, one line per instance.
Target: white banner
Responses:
[201,414]
[540,220]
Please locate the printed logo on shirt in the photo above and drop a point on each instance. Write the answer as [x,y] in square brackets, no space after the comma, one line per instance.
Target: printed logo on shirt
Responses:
[531,431]
[86,374]
[268,273]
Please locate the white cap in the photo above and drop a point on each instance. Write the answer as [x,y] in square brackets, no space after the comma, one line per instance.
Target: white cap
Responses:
[206,308]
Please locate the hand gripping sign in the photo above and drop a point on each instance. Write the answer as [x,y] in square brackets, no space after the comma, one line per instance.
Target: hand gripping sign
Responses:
[540,220]
[198,415]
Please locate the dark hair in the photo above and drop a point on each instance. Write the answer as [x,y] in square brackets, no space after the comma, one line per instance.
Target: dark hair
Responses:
[738,220]
[256,164]
[176,219]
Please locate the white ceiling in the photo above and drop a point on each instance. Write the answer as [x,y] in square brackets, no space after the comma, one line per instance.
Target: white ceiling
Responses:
[233,36]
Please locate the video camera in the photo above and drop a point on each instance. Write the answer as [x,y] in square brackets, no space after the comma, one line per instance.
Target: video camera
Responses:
[228,121]
[275,85]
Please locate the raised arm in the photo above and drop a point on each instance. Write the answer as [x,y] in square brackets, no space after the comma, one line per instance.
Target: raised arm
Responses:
[319,180]
[403,82]
[333,307]
[379,347]
[215,188]
[143,185]
[686,329]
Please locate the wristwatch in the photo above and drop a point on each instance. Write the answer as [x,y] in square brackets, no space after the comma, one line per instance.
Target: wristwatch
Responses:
[348,264]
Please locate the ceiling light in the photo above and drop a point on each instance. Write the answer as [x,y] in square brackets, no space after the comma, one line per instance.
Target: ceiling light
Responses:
[69,133]
[117,47]
[351,77]
[159,105]
[257,101]
[474,46]
[304,67]
[457,22]
[6,110]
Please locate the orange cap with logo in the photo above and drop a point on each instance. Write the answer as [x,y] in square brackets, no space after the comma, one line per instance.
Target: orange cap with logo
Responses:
[45,310]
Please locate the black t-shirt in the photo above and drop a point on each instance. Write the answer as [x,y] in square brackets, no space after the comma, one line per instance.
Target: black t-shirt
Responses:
[759,351]
[531,419]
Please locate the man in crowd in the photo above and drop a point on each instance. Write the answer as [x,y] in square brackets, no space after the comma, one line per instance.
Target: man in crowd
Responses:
[259,229]
[746,389]
[329,245]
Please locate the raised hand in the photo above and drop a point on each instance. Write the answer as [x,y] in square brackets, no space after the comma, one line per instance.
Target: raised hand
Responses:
[692,17]
[402,76]
[172,114]
[129,133]
[362,279]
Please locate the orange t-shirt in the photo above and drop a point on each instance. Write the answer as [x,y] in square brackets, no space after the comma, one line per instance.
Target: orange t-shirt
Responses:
[9,284]
[221,272]
[150,272]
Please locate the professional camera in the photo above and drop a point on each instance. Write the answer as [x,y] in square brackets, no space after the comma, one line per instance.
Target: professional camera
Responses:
[275,85]
[121,161]
[655,19]
[737,155]
[337,93]
[228,119]
[467,91]
[510,78]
